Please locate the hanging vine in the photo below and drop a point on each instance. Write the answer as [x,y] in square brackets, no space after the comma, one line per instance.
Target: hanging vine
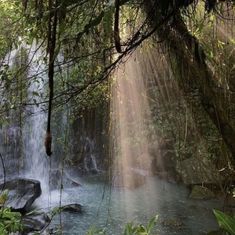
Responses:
[116,27]
[52,31]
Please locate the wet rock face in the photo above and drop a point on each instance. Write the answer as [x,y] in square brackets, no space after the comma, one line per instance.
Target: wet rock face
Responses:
[56,178]
[10,149]
[21,194]
[164,163]
[199,171]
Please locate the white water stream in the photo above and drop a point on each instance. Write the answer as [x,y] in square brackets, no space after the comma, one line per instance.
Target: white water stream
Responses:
[36,161]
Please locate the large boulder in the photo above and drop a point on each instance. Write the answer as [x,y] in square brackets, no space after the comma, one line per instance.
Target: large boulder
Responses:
[21,193]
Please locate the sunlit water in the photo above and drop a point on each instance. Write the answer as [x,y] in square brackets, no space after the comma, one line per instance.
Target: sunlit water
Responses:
[105,207]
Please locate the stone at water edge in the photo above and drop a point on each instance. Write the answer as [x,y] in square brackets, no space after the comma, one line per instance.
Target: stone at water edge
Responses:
[201,193]
[35,222]
[21,194]
[73,208]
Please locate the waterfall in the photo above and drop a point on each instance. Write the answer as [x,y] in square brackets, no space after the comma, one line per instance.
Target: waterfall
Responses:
[36,161]
[132,132]
[131,118]
[30,160]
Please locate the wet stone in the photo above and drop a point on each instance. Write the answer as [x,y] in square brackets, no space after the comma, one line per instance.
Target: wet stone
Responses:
[35,223]
[72,208]
[21,193]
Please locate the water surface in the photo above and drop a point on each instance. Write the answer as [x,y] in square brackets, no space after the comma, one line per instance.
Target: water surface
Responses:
[111,208]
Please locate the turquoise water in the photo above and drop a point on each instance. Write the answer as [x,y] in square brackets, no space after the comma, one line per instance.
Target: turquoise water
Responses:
[106,207]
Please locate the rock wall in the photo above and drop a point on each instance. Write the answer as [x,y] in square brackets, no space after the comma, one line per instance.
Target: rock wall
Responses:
[10,149]
[84,142]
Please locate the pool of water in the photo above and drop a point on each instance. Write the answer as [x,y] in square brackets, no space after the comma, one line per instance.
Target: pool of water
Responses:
[112,208]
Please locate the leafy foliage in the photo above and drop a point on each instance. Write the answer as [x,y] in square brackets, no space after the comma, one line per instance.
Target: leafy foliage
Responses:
[225,221]
[3,197]
[95,231]
[130,228]
[9,221]
[140,229]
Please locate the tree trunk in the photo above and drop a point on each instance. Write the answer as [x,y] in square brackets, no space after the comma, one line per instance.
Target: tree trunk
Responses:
[191,70]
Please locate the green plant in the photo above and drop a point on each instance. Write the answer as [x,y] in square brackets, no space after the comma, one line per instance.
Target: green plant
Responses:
[95,231]
[139,229]
[3,197]
[130,228]
[9,221]
[225,221]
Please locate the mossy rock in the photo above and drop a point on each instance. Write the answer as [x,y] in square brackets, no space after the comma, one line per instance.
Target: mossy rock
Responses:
[201,193]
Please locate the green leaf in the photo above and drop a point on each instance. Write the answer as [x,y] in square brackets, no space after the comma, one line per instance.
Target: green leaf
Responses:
[226,222]
[152,223]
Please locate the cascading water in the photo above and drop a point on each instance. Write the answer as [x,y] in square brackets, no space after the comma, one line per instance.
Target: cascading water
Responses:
[131,119]
[37,163]
[131,130]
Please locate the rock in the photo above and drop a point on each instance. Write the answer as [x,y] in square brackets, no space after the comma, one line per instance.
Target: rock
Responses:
[68,181]
[35,222]
[198,171]
[21,194]
[201,193]
[73,208]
